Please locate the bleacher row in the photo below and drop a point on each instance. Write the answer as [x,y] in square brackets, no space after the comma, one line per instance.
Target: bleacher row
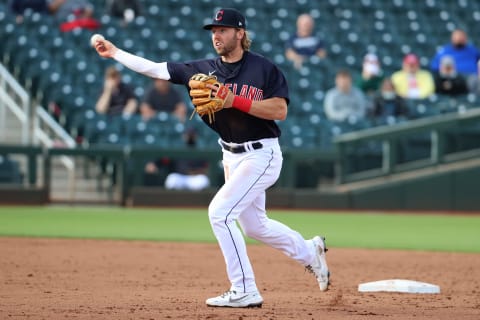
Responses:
[62,67]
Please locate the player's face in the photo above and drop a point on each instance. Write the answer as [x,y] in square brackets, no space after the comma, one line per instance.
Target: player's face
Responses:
[224,40]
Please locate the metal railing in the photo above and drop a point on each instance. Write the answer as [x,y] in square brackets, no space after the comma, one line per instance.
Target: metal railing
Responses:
[390,137]
[37,126]
[17,100]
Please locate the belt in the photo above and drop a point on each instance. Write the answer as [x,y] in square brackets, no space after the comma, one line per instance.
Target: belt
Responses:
[241,149]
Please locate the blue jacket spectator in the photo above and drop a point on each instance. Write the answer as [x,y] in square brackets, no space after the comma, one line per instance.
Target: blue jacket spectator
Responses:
[463,53]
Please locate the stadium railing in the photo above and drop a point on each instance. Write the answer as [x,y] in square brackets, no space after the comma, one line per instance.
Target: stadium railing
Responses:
[439,128]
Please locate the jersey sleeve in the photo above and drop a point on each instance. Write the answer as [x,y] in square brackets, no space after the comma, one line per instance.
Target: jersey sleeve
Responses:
[276,84]
[142,65]
[180,72]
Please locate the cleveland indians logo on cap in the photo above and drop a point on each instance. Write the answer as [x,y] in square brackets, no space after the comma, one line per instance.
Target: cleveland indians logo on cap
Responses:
[219,15]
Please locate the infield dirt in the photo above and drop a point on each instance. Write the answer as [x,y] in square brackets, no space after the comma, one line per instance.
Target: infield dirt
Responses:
[97,279]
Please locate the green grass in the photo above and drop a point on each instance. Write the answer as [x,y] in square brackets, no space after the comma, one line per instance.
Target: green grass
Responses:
[342,229]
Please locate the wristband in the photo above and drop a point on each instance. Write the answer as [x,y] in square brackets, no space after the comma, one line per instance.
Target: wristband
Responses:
[242,104]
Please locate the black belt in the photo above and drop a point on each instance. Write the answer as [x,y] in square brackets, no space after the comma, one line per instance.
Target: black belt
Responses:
[241,149]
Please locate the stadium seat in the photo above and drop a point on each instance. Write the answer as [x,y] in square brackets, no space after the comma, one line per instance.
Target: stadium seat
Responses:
[65,69]
[100,129]
[9,171]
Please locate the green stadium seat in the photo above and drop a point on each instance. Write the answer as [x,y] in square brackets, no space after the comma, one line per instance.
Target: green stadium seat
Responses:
[96,125]
[65,69]
[10,172]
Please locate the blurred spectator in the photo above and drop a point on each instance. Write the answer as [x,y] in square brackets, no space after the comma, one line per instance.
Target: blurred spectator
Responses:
[345,102]
[304,43]
[186,174]
[126,10]
[387,102]
[412,82]
[19,6]
[447,80]
[73,14]
[161,96]
[463,53]
[372,75]
[116,97]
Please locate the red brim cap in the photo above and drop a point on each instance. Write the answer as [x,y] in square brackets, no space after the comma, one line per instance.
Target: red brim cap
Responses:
[410,59]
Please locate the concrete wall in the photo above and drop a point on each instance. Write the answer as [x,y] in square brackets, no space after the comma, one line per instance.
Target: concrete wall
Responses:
[453,191]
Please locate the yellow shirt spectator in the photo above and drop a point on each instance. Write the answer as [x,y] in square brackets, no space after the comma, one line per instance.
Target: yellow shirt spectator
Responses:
[412,82]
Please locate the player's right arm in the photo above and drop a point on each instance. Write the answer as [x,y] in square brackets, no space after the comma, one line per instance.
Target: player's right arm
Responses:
[138,64]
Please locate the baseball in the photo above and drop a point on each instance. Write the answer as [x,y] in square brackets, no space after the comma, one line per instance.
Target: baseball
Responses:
[96,37]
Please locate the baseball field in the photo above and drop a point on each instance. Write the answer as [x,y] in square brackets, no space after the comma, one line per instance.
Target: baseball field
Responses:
[61,262]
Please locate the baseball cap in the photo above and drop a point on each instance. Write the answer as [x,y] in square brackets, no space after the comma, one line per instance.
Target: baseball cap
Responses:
[410,59]
[447,61]
[227,17]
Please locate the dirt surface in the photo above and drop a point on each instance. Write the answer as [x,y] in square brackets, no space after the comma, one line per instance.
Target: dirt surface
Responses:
[93,279]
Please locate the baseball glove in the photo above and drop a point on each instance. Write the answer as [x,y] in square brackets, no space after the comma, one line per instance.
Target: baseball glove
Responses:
[203,100]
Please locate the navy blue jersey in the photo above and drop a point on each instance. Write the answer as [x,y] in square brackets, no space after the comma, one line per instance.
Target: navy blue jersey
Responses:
[255,78]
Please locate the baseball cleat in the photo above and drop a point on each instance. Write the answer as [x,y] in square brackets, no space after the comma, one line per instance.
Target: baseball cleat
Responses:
[235,299]
[319,266]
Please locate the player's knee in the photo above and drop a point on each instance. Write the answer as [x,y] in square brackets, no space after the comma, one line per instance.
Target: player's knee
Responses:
[250,232]
[254,232]
[215,215]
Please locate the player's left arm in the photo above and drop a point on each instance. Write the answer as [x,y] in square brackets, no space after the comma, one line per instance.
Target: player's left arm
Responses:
[270,109]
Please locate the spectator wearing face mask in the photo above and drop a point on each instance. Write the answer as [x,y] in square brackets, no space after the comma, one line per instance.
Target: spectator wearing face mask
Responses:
[447,80]
[372,75]
[464,54]
[387,102]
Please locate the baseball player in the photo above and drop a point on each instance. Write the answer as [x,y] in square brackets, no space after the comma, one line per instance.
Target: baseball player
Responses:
[253,93]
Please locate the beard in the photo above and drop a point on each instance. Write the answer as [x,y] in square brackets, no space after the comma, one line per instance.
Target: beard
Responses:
[226,48]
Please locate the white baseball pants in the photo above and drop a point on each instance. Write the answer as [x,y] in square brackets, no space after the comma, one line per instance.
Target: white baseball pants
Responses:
[242,199]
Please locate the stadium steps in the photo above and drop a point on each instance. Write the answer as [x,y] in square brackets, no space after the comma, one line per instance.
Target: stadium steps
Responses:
[94,188]
[411,175]
[12,132]
[90,189]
